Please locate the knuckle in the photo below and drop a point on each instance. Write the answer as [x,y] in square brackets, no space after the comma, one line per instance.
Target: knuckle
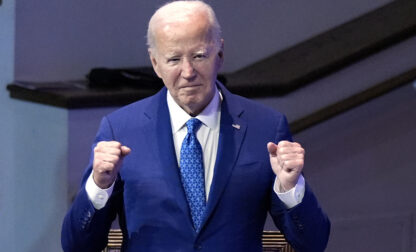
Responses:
[116,144]
[115,159]
[283,143]
[101,143]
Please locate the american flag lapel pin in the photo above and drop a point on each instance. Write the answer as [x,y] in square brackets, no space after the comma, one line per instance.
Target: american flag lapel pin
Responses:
[237,126]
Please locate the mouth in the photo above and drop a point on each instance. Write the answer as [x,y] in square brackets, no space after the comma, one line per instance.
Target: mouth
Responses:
[191,86]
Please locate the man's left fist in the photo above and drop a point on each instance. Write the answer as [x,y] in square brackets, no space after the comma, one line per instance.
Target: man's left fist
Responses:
[287,160]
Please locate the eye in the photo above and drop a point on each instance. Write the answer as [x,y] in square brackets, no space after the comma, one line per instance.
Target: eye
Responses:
[200,56]
[173,60]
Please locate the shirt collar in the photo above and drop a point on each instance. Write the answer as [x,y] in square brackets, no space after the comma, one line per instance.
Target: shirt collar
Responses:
[208,116]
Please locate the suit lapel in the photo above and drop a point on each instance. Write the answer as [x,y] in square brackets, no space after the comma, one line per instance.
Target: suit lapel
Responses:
[160,136]
[232,132]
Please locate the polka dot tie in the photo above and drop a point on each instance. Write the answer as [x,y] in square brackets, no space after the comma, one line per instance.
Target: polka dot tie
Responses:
[192,172]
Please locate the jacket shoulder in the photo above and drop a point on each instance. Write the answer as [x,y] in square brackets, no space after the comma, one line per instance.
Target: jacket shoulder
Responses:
[255,109]
[135,110]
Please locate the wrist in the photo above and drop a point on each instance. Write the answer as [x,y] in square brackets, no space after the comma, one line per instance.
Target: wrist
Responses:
[103,183]
[285,186]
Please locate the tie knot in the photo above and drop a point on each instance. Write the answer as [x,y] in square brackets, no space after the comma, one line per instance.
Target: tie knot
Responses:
[193,125]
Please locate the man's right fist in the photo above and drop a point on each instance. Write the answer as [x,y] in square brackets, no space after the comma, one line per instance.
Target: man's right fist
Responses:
[108,157]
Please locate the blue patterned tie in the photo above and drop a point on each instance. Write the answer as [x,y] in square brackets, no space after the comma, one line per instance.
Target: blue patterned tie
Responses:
[192,173]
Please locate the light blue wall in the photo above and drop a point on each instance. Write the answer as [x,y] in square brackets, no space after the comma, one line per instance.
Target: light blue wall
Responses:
[33,167]
[39,153]
[7,163]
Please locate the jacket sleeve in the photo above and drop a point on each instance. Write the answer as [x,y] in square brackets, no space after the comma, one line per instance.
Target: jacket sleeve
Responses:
[305,226]
[85,228]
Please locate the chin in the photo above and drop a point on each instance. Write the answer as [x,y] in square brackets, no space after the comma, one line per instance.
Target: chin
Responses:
[192,102]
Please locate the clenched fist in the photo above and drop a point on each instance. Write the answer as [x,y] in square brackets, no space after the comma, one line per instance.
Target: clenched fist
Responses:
[108,157]
[287,159]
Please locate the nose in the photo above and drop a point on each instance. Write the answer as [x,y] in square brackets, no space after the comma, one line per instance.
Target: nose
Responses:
[187,71]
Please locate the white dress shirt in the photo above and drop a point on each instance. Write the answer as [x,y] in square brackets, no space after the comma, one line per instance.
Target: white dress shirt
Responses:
[208,136]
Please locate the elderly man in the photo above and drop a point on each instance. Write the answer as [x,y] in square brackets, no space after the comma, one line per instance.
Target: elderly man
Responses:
[193,167]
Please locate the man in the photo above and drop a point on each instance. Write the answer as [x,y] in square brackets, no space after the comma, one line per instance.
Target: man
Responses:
[193,167]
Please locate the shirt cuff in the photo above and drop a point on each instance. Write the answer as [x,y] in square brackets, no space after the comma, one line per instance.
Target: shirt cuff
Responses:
[294,196]
[97,195]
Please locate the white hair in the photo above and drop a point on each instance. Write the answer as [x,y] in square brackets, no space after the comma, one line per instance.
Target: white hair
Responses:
[179,9]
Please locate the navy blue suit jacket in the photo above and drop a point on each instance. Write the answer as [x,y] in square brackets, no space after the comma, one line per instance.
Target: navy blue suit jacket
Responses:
[150,201]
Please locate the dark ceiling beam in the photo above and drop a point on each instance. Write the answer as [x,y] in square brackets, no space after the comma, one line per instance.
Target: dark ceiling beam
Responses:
[323,54]
[353,101]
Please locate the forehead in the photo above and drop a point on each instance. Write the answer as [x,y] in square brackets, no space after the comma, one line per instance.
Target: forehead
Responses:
[193,28]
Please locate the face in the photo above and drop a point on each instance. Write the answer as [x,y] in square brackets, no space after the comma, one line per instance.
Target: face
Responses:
[187,60]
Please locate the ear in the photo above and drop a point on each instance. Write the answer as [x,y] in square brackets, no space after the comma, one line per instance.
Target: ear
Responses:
[152,56]
[221,52]
[221,55]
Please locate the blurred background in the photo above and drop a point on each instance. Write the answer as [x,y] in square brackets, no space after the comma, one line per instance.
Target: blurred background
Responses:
[343,71]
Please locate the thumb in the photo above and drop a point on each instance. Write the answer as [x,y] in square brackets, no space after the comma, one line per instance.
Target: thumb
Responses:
[272,148]
[125,151]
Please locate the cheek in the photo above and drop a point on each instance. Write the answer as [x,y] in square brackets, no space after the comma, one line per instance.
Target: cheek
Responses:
[206,71]
[169,76]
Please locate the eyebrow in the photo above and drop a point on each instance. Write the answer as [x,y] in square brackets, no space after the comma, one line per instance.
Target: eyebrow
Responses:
[173,53]
[204,50]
